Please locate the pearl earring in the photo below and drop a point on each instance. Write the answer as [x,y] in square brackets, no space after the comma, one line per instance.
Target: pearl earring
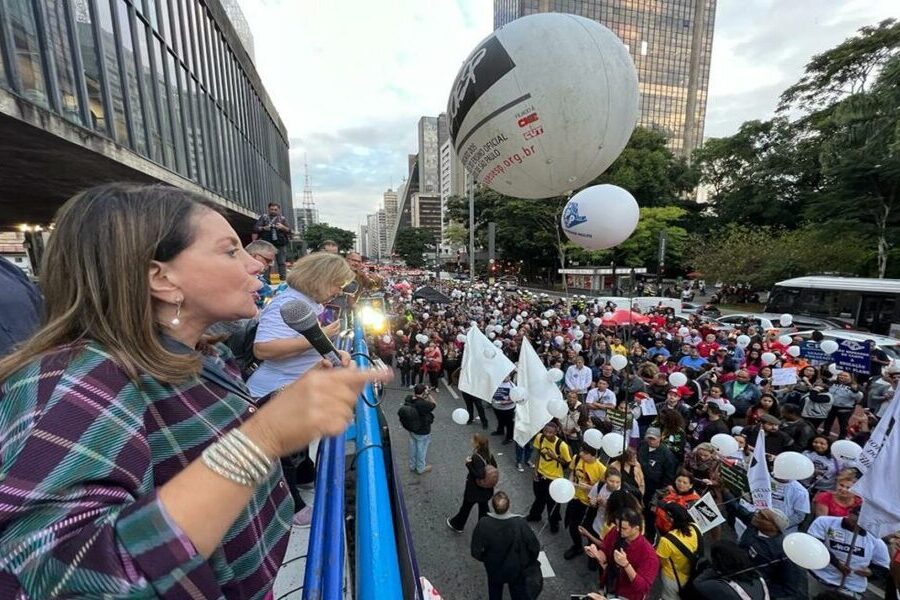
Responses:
[177,321]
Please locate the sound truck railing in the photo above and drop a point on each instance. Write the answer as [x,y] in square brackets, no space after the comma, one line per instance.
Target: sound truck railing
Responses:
[384,559]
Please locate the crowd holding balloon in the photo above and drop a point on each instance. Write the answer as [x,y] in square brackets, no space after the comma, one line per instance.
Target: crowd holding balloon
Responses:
[659,430]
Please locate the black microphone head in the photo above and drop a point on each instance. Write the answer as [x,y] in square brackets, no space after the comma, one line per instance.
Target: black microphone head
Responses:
[298,315]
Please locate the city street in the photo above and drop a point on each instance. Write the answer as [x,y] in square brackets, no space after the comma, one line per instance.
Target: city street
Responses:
[443,555]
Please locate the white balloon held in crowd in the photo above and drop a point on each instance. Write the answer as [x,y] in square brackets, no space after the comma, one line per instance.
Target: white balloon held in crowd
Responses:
[792,466]
[612,444]
[517,394]
[678,379]
[794,351]
[725,444]
[743,340]
[845,450]
[460,416]
[558,408]
[829,346]
[768,358]
[806,551]
[618,362]
[593,438]
[555,375]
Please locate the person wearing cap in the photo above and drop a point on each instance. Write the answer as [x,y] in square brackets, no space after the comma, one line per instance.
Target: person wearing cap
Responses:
[776,440]
[763,541]
[674,402]
[659,466]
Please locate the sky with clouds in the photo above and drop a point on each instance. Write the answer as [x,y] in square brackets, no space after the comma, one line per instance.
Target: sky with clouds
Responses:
[350,78]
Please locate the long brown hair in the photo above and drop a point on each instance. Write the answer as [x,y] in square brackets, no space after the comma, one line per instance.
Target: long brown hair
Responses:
[95,276]
[482,446]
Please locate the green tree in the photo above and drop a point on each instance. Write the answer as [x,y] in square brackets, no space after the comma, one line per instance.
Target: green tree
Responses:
[650,171]
[317,233]
[457,235]
[764,174]
[412,243]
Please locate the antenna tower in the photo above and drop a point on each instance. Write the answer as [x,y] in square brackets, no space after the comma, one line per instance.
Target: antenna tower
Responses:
[310,214]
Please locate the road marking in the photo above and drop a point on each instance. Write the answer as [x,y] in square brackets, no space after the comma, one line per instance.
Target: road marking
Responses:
[546,569]
[450,389]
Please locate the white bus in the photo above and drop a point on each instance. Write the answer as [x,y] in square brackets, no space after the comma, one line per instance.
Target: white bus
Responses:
[865,304]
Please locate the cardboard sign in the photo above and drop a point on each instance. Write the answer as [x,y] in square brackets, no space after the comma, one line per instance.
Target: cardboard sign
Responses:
[784,376]
[648,407]
[706,514]
[734,477]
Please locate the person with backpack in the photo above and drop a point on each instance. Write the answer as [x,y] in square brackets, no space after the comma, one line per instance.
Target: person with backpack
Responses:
[678,549]
[585,472]
[481,478]
[553,457]
[416,416]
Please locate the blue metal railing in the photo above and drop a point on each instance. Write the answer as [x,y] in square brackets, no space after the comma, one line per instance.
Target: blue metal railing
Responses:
[377,555]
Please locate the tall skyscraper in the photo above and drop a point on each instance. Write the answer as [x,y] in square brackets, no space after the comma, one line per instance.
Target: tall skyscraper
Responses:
[429,155]
[670,42]
[453,183]
[362,240]
[372,236]
[390,210]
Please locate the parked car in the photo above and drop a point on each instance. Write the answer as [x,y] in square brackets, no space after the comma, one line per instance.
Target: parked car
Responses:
[709,310]
[767,321]
[891,346]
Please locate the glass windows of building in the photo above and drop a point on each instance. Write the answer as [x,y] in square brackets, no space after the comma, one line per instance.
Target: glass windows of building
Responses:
[128,59]
[59,39]
[113,69]
[26,46]
[91,63]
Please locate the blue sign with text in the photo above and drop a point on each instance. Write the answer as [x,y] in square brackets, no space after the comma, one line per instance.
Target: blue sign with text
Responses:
[851,356]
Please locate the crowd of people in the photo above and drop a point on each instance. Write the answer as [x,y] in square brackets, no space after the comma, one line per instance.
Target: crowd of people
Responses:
[629,518]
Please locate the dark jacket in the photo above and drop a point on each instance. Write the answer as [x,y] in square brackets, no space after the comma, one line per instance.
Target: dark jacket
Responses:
[20,307]
[659,467]
[505,544]
[426,414]
[800,431]
[266,230]
[712,428]
[475,468]
[710,586]
[785,579]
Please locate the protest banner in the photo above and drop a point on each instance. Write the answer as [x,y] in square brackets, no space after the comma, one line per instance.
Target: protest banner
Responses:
[734,477]
[786,376]
[851,356]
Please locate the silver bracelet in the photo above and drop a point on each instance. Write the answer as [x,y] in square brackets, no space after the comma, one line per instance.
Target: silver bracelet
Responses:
[237,458]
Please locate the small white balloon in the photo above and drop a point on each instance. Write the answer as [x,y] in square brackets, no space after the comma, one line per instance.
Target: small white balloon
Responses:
[545,323]
[607,315]
[794,351]
[786,320]
[846,450]
[491,335]
[612,444]
[524,314]
[578,334]
[558,408]
[513,332]
[399,332]
[793,466]
[500,305]
[496,313]
[829,346]
[833,369]
[597,321]
[683,331]
[581,318]
[728,409]
[562,490]
[806,551]
[576,347]
[677,379]
[461,338]
[514,324]
[422,338]
[618,362]
[743,340]
[498,343]
[460,416]
[554,375]
[559,340]
[785,340]
[768,358]
[551,313]
[725,444]
[517,394]
[386,339]
[593,438]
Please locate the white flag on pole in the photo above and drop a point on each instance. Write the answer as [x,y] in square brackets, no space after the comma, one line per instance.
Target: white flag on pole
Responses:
[758,474]
[532,414]
[484,366]
[880,512]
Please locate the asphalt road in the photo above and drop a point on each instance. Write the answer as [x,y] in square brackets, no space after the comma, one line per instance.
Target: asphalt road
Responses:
[443,555]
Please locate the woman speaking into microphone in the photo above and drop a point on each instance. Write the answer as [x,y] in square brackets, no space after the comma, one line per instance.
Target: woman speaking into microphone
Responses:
[133,461]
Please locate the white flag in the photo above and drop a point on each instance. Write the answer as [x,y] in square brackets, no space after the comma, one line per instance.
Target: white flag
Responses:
[532,414]
[880,512]
[758,474]
[484,366]
[706,514]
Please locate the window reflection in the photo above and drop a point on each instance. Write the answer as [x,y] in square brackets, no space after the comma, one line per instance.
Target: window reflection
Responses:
[27,49]
[58,38]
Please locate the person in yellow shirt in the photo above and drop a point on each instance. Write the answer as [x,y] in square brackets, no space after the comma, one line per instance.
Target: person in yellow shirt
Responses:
[553,456]
[617,347]
[678,550]
[585,472]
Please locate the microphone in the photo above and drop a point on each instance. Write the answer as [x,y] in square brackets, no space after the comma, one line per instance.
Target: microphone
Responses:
[299,316]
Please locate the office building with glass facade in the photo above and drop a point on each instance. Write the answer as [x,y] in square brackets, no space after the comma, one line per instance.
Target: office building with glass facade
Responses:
[670,42]
[140,90]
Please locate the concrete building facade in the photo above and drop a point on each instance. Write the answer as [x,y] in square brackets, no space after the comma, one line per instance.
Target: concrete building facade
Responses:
[166,91]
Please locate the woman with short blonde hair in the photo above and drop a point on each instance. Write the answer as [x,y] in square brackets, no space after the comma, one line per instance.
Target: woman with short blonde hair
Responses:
[314,280]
